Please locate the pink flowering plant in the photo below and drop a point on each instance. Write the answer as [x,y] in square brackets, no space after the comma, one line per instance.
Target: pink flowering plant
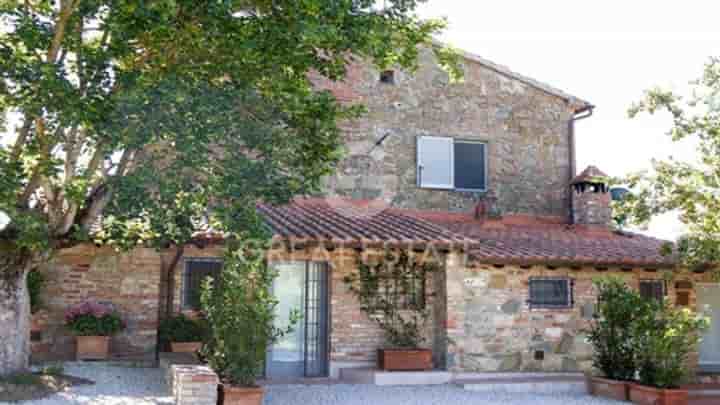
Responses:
[93,319]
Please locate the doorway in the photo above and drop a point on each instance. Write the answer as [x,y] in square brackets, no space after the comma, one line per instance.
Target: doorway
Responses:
[708,301]
[300,286]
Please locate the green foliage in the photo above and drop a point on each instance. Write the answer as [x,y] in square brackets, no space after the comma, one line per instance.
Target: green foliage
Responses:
[633,336]
[617,307]
[690,188]
[392,292]
[93,319]
[240,309]
[664,337]
[182,329]
[160,117]
[35,284]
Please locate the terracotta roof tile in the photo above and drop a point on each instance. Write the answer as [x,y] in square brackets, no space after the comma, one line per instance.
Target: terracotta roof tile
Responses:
[513,240]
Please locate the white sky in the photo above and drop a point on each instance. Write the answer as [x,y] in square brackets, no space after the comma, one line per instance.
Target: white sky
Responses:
[605,52]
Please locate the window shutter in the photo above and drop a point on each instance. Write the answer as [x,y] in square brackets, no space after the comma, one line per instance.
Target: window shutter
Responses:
[652,289]
[435,162]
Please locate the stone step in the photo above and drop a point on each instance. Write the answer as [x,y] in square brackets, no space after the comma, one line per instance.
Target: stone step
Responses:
[388,378]
[527,385]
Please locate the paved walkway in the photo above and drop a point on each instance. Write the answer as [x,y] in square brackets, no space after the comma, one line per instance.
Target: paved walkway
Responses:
[144,386]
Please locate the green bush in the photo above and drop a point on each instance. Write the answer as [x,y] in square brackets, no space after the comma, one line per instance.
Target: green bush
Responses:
[182,329]
[93,319]
[35,283]
[240,309]
[617,307]
[664,337]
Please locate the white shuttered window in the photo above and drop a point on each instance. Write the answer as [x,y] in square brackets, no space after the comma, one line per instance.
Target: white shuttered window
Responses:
[435,162]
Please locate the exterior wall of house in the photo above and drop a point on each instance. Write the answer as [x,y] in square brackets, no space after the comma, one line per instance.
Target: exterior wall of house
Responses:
[493,329]
[525,128]
[128,281]
[354,336]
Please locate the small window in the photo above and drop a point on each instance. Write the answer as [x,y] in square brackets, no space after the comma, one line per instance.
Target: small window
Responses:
[447,163]
[551,293]
[387,77]
[652,289]
[196,271]
[469,165]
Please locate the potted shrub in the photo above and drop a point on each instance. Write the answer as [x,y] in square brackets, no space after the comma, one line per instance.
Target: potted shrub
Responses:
[93,324]
[392,291]
[617,306]
[184,335]
[240,310]
[664,337]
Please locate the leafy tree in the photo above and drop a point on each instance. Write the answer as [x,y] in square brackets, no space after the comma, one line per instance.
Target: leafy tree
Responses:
[691,188]
[138,122]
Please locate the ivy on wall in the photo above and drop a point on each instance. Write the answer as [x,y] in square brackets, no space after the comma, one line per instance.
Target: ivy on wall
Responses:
[392,290]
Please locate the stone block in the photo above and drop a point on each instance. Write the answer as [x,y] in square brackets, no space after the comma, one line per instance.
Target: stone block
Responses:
[497,281]
[511,307]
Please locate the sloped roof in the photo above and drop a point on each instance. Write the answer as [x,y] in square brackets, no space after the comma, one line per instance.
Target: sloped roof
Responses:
[590,175]
[528,240]
[514,240]
[351,222]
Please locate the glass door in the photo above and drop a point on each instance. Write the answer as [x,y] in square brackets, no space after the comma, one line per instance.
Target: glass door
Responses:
[708,301]
[300,286]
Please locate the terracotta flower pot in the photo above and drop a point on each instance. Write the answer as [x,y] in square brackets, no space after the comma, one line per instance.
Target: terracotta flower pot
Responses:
[92,347]
[185,347]
[607,388]
[644,395]
[405,359]
[242,395]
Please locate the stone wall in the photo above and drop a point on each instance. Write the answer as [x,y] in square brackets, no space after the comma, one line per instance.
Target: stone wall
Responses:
[493,328]
[526,130]
[129,281]
[591,207]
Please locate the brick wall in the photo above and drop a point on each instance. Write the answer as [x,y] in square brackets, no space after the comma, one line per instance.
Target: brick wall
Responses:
[130,281]
[494,329]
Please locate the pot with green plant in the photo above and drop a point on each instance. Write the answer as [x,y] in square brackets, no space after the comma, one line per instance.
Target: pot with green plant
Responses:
[183,334]
[392,290]
[616,307]
[92,324]
[664,337]
[241,313]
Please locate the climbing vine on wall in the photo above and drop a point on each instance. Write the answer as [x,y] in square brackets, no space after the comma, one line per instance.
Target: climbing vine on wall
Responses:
[392,289]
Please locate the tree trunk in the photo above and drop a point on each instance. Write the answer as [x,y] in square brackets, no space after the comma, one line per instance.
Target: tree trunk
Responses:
[15,318]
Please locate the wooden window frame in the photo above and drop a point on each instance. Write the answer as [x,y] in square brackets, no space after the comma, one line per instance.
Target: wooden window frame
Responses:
[535,304]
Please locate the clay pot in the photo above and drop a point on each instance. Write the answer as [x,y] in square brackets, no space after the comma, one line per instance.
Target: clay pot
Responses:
[185,347]
[607,388]
[405,359]
[242,395]
[644,395]
[93,347]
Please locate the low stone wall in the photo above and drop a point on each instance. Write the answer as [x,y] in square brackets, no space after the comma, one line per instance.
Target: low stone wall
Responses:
[189,381]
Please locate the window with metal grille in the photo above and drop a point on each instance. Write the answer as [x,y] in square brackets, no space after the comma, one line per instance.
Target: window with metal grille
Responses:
[652,289]
[551,293]
[404,291]
[196,271]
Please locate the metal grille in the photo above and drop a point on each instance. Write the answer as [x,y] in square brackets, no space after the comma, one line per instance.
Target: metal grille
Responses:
[652,289]
[551,293]
[196,271]
[316,314]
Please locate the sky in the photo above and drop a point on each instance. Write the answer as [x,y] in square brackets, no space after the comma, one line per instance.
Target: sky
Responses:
[607,53]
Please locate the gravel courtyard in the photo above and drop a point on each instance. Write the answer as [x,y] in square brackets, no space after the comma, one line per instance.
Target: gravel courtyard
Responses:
[142,386]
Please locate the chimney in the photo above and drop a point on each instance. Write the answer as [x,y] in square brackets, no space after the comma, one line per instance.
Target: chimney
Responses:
[591,198]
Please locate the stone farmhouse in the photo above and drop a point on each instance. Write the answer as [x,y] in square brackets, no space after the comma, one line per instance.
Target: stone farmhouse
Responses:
[479,173]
